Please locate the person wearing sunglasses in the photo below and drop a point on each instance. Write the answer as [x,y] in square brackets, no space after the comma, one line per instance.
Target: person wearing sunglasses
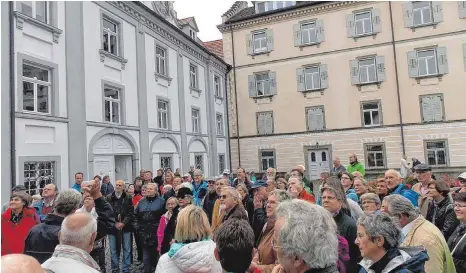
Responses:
[231,203]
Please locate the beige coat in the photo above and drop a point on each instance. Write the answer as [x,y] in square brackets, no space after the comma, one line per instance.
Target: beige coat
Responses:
[423,201]
[426,234]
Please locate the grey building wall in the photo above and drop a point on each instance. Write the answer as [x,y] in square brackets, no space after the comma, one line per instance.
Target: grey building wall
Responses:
[5,105]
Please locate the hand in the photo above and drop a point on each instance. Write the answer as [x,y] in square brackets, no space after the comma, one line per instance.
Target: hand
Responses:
[257,203]
[94,189]
[119,226]
[278,269]
[293,191]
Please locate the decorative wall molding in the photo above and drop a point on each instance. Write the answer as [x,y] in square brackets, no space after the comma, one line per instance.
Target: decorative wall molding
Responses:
[21,18]
[104,54]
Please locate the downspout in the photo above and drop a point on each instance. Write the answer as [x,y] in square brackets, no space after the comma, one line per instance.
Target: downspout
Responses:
[228,127]
[236,94]
[12,100]
[397,82]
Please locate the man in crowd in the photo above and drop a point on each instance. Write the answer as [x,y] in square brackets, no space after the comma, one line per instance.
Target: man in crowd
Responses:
[462,182]
[209,199]
[271,174]
[43,238]
[271,185]
[148,177]
[259,190]
[191,171]
[20,263]
[337,167]
[45,205]
[19,189]
[77,235]
[106,188]
[424,176]
[355,165]
[147,218]
[199,187]
[381,187]
[296,173]
[234,245]
[159,178]
[78,179]
[417,231]
[296,189]
[305,238]
[120,234]
[395,186]
[141,174]
[307,183]
[415,163]
[241,179]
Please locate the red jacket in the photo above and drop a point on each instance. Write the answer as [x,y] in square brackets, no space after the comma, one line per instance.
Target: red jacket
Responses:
[304,195]
[14,235]
[136,199]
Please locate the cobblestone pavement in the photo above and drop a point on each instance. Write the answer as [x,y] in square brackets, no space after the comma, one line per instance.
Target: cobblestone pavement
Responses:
[135,267]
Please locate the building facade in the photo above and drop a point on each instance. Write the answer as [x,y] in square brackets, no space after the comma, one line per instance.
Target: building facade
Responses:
[109,88]
[312,81]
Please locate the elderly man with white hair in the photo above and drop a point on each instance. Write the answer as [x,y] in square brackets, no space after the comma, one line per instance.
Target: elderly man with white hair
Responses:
[395,186]
[305,238]
[77,236]
[417,231]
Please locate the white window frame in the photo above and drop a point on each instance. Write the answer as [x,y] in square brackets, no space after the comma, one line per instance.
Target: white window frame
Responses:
[36,82]
[422,14]
[363,25]
[110,33]
[424,61]
[161,61]
[313,29]
[273,5]
[379,110]
[218,86]
[219,124]
[365,69]
[163,114]
[193,83]
[263,83]
[373,154]
[436,150]
[111,102]
[34,10]
[196,120]
[263,42]
[192,34]
[267,158]
[315,86]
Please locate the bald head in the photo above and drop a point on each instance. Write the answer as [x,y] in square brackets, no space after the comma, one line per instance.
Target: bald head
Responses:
[393,178]
[301,168]
[79,230]
[20,263]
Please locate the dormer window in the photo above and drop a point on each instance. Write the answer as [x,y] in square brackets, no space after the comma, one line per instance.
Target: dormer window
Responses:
[264,6]
[192,34]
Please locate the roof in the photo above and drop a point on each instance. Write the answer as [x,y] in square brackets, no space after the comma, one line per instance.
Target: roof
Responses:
[188,21]
[215,47]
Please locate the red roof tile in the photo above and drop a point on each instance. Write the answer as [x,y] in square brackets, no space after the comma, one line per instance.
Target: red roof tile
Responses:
[215,47]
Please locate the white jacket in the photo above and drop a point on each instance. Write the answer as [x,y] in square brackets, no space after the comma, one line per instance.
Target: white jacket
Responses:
[192,258]
[67,265]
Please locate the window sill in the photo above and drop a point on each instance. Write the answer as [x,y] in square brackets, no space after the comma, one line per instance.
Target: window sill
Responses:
[434,25]
[313,91]
[372,126]
[362,85]
[263,99]
[317,131]
[373,35]
[266,134]
[104,54]
[253,55]
[165,77]
[302,46]
[420,78]
[21,18]
[195,92]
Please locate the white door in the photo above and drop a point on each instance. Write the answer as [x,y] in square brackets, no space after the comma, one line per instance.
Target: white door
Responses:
[104,165]
[318,163]
[123,168]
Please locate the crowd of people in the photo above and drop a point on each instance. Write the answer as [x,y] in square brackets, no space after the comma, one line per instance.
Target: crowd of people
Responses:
[271,224]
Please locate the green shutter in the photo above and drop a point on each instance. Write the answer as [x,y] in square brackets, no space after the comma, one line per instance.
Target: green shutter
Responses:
[300,79]
[269,35]
[320,31]
[323,76]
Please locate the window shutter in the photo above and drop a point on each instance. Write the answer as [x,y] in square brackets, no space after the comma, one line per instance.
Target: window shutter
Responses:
[323,76]
[260,123]
[436,103]
[269,123]
[376,22]
[252,86]
[315,119]
[437,11]
[297,34]
[273,83]
[442,60]
[300,79]
[408,14]
[380,63]
[427,111]
[269,34]
[462,9]
[320,31]
[350,27]
[412,64]
[249,47]
[354,70]
[464,56]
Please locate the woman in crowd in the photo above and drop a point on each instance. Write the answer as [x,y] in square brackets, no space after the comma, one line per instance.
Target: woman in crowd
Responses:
[282,184]
[360,186]
[130,190]
[177,181]
[217,213]
[378,240]
[106,188]
[441,210]
[248,203]
[457,241]
[357,174]
[17,221]
[370,203]
[88,206]
[137,191]
[265,258]
[193,249]
[347,181]
[349,206]
[231,204]
[170,205]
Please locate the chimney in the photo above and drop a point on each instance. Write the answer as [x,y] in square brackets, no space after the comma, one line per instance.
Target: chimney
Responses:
[234,9]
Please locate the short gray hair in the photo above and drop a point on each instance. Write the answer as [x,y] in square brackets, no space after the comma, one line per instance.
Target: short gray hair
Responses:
[68,201]
[187,185]
[197,172]
[399,205]
[397,173]
[371,196]
[381,225]
[309,233]
[297,179]
[72,236]
[233,192]
[281,195]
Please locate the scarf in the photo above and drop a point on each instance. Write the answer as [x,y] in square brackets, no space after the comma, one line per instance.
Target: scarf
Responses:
[16,218]
[74,253]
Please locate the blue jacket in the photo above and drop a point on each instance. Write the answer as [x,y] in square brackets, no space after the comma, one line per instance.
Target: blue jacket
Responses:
[404,191]
[77,187]
[351,194]
[38,206]
[409,260]
[199,191]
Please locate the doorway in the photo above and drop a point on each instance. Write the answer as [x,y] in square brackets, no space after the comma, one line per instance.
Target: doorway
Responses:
[319,162]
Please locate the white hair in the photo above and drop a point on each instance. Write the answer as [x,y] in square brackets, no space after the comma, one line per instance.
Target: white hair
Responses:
[167,187]
[297,179]
[72,236]
[187,185]
[397,173]
[233,192]
[197,172]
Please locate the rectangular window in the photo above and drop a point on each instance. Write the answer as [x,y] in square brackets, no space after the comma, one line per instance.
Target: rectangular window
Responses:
[262,84]
[199,162]
[165,162]
[36,89]
[259,42]
[161,61]
[427,62]
[264,123]
[112,99]
[267,159]
[375,154]
[312,77]
[367,71]
[422,13]
[371,114]
[436,153]
[308,33]
[217,86]
[195,118]
[432,108]
[36,9]
[37,174]
[110,38]
[219,119]
[193,76]
[221,163]
[363,23]
[163,114]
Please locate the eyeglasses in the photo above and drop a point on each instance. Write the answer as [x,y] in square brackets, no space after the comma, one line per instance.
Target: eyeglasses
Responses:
[211,182]
[459,206]
[368,202]
[328,198]
[186,196]
[223,196]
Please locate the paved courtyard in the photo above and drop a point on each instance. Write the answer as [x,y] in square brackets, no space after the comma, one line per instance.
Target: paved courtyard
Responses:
[135,268]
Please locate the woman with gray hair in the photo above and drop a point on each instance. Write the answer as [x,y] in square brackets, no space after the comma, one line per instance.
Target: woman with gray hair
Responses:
[370,203]
[378,240]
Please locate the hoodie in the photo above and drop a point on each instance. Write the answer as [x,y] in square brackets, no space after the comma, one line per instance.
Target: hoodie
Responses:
[402,260]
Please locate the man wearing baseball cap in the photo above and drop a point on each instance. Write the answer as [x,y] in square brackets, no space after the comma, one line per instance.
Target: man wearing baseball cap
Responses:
[424,176]
[462,180]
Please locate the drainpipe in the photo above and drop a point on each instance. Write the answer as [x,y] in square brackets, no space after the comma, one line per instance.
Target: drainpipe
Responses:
[236,94]
[397,83]
[12,100]
[228,127]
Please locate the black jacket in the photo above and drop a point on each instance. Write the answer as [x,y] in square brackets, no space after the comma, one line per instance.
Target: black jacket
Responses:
[348,229]
[124,208]
[237,212]
[106,188]
[459,256]
[169,232]
[248,204]
[147,219]
[258,222]
[445,217]
[208,204]
[43,238]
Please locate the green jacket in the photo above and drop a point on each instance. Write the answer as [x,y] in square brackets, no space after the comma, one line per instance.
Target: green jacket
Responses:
[356,166]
